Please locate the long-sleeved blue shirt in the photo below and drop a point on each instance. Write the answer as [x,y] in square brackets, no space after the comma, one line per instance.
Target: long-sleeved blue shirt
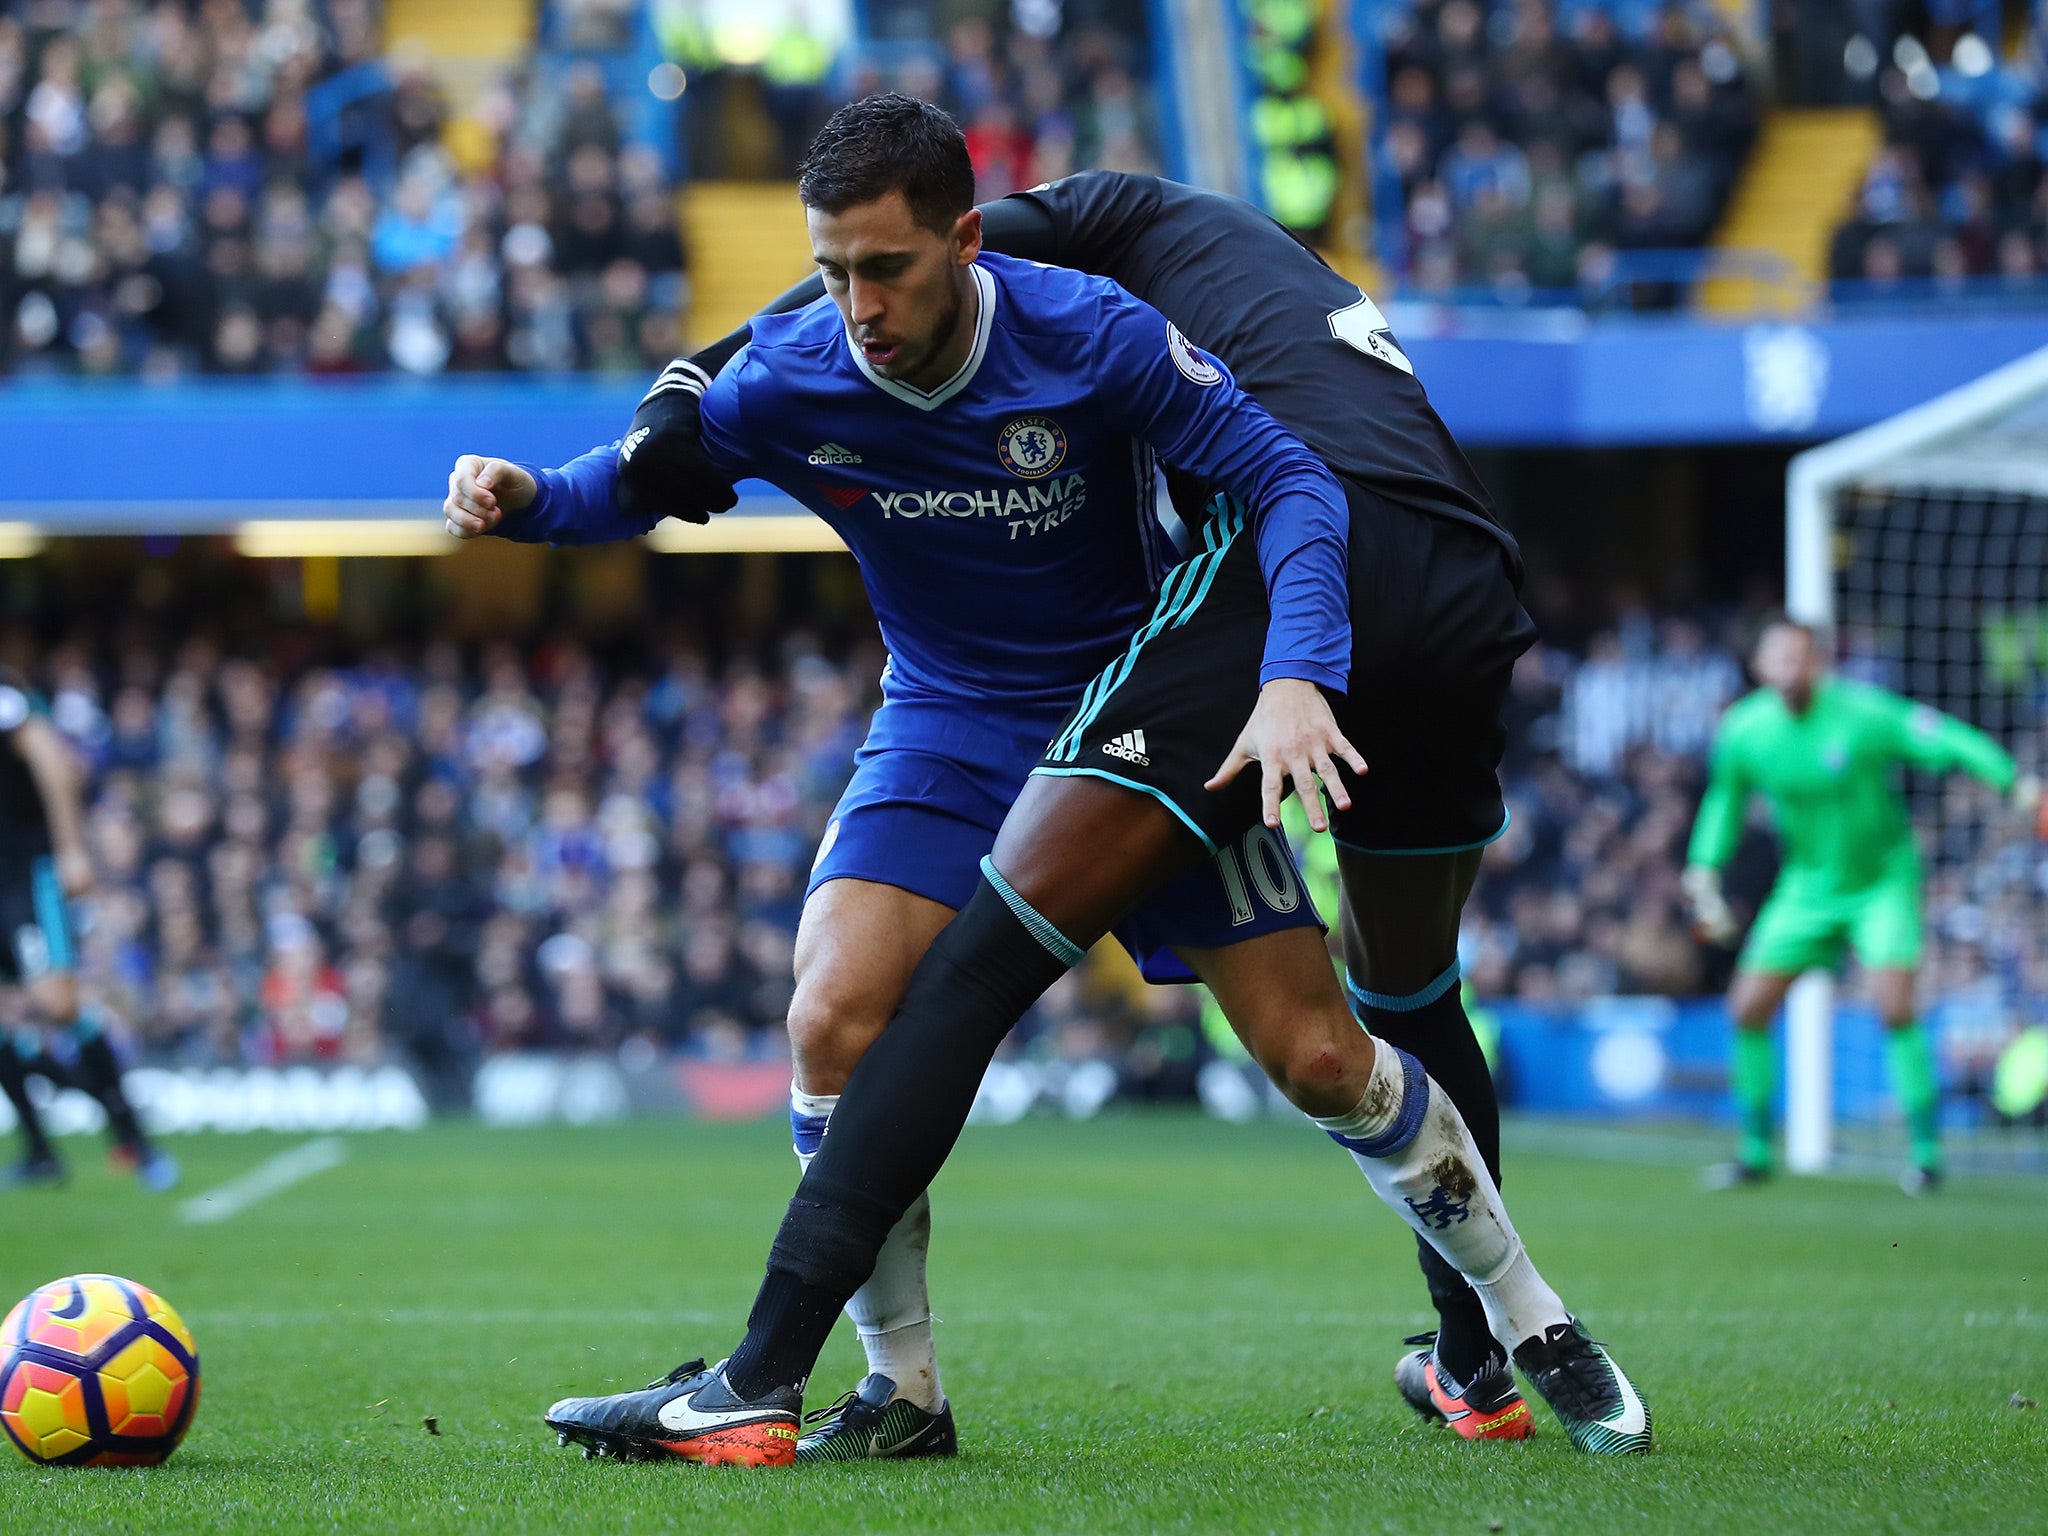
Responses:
[1004,522]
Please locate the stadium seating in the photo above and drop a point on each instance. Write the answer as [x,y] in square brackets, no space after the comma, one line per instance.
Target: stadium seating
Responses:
[335,186]
[228,189]
[1519,148]
[1950,208]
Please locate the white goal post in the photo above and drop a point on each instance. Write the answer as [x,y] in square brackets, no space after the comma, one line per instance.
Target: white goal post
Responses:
[1926,535]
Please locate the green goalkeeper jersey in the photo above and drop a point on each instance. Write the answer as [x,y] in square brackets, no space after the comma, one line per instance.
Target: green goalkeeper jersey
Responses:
[1831,778]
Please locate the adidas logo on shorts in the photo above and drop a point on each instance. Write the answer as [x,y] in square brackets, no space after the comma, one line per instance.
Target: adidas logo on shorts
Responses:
[831,453]
[1130,747]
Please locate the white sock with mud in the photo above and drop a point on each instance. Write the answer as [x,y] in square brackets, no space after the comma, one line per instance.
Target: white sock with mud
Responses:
[892,1313]
[1412,1145]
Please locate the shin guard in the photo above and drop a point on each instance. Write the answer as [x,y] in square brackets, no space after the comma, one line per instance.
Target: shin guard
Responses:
[1431,1025]
[1411,1144]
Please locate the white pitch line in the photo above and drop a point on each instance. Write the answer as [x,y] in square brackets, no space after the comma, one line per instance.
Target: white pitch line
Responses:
[264,1180]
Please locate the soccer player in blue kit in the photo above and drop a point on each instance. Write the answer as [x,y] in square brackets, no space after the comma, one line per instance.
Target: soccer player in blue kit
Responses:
[983,450]
[867,232]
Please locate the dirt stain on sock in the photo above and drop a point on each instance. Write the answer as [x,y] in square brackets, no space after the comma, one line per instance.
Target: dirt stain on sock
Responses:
[1382,1097]
[1453,1176]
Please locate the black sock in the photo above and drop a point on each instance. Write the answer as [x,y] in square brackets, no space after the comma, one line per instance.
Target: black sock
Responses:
[786,1331]
[35,1145]
[1440,1037]
[892,1129]
[99,1074]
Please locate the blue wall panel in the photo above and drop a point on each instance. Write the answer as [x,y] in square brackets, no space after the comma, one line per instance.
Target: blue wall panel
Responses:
[186,455]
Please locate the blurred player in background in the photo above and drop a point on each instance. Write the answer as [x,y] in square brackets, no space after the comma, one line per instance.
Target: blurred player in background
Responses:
[1825,754]
[43,864]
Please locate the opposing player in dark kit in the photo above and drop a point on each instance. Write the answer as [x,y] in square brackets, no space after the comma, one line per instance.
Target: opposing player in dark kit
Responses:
[1433,595]
[43,864]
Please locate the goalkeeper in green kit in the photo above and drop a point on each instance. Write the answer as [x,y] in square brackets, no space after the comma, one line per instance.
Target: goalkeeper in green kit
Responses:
[1825,754]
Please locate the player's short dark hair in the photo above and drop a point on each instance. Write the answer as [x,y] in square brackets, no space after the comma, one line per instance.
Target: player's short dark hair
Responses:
[890,143]
[1779,619]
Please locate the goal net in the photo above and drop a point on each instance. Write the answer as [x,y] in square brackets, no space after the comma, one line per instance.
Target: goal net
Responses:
[1923,543]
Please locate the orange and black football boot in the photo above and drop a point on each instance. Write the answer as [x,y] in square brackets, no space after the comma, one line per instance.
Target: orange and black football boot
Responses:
[691,1414]
[1489,1408]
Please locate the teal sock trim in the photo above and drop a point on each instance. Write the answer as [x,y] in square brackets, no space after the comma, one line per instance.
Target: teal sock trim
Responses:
[1387,1002]
[1057,944]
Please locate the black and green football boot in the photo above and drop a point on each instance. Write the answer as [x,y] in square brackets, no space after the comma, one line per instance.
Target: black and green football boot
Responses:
[871,1423]
[1597,1404]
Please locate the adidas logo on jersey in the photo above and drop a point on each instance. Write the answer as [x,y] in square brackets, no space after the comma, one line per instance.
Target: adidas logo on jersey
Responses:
[1130,747]
[831,453]
[634,439]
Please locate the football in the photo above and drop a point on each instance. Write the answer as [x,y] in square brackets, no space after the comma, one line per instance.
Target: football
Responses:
[96,1371]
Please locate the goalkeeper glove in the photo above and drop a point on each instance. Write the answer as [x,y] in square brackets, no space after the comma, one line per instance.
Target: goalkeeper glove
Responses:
[663,469]
[1716,923]
[2029,801]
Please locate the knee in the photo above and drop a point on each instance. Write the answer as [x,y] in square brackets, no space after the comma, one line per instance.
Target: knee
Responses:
[1322,1071]
[828,1034]
[1753,1006]
[1894,999]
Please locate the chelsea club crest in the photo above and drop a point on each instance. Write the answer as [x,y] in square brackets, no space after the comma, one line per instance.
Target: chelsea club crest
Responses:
[1032,447]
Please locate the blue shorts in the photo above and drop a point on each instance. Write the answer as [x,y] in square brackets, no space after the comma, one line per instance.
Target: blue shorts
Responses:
[932,785]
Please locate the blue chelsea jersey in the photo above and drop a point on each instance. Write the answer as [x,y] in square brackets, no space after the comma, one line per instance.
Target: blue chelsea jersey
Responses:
[1004,521]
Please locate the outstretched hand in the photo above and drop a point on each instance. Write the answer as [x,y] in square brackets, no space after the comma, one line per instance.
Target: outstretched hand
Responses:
[2029,800]
[1713,920]
[1292,736]
[481,491]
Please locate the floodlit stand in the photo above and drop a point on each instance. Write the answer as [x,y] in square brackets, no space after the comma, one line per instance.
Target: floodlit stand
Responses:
[1912,535]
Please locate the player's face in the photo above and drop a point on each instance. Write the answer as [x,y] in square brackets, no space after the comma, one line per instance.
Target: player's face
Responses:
[1789,662]
[901,286]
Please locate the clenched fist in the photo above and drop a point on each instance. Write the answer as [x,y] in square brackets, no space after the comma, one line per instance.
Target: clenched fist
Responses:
[481,491]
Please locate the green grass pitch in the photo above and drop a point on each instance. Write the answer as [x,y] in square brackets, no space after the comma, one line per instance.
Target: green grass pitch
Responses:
[1151,1324]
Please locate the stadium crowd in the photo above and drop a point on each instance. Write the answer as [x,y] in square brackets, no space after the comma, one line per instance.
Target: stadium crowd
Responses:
[236,188]
[1524,147]
[448,854]
[1041,98]
[1581,898]
[435,854]
[453,853]
[1957,193]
